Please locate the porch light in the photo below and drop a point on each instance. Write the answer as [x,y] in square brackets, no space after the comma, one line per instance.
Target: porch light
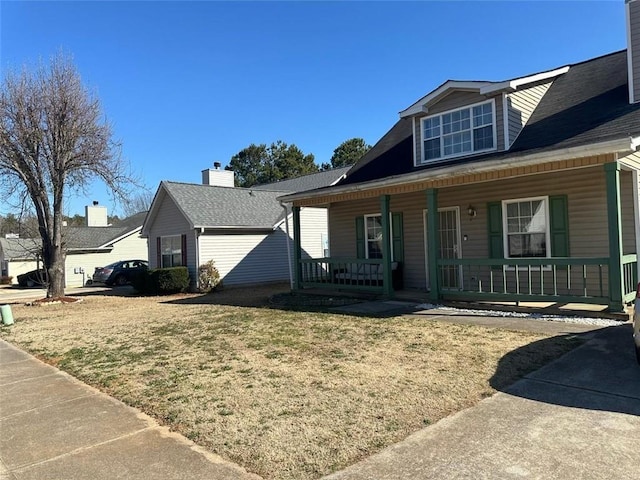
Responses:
[471,211]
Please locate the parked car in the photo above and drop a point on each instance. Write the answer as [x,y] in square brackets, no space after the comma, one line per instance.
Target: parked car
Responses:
[636,323]
[34,278]
[119,273]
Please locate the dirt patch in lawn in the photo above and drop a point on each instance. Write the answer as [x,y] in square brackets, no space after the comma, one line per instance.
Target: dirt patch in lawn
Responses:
[287,395]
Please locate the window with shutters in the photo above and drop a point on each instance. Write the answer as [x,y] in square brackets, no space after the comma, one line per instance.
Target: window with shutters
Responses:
[526,228]
[373,235]
[171,251]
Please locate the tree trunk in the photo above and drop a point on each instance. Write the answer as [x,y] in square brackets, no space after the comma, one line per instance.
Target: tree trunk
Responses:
[56,274]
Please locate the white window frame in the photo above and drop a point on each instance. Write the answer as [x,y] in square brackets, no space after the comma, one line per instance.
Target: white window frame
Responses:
[173,251]
[505,232]
[424,161]
[366,236]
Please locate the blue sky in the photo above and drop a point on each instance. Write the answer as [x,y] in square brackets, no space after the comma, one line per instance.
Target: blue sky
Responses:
[185,84]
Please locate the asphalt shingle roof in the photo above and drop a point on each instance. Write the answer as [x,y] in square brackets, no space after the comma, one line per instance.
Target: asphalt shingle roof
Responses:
[212,206]
[586,105]
[306,182]
[19,248]
[256,207]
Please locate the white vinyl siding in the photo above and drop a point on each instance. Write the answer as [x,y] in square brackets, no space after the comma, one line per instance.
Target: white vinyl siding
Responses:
[253,258]
[247,258]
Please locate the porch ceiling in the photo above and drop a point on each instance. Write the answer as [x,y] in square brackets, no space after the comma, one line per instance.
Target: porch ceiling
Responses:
[447,178]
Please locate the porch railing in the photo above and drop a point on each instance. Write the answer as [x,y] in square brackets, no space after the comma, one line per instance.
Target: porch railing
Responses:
[343,273]
[583,280]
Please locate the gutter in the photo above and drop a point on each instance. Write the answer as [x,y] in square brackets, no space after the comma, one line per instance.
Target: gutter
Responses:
[611,146]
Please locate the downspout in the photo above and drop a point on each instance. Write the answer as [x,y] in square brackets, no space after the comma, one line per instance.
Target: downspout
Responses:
[286,227]
[198,232]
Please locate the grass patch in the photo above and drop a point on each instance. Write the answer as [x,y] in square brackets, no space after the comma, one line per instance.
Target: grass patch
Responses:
[287,395]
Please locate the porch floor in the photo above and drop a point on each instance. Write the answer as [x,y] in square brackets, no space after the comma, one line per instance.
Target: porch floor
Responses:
[542,308]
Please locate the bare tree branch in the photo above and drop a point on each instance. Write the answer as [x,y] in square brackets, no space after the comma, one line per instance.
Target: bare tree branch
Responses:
[54,141]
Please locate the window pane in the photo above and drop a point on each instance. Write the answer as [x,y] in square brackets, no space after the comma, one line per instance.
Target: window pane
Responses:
[432,128]
[483,138]
[527,245]
[432,149]
[374,236]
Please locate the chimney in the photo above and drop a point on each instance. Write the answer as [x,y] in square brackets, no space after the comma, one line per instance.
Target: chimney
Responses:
[217,177]
[95,215]
[633,49]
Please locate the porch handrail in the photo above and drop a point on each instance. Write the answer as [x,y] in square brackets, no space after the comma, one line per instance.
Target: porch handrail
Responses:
[364,261]
[507,262]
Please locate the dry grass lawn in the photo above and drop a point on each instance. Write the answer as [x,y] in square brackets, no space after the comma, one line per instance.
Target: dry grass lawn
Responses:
[285,394]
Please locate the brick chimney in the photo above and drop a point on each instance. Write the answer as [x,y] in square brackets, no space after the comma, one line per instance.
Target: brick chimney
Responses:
[633,48]
[217,177]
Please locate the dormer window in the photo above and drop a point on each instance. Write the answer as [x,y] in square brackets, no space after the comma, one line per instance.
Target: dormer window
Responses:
[459,132]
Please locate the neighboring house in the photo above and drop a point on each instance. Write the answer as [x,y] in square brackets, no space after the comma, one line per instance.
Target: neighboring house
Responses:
[87,247]
[525,189]
[18,255]
[245,231]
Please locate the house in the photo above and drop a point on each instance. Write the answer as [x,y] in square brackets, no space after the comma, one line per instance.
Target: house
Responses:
[245,231]
[524,189]
[95,245]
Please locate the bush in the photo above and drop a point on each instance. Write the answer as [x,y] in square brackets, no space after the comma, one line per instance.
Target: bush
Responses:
[161,281]
[208,277]
[170,280]
[6,279]
[141,282]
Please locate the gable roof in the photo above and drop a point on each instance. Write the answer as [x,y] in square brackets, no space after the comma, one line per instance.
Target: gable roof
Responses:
[481,87]
[256,208]
[585,108]
[19,248]
[207,206]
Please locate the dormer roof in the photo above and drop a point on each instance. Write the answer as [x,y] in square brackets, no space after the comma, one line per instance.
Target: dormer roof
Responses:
[481,87]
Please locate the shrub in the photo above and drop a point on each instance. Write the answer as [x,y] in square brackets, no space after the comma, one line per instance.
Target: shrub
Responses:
[141,282]
[6,279]
[161,281]
[208,277]
[170,280]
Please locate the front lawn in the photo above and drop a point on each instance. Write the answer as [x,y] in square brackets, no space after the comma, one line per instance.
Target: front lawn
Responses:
[287,395]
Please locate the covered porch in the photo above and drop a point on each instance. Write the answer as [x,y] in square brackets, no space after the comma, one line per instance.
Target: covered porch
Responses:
[608,277]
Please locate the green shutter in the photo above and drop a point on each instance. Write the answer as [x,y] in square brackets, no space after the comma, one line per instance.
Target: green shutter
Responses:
[494,223]
[360,247]
[558,211]
[397,237]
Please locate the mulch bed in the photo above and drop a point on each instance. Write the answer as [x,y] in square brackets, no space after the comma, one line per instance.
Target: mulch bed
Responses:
[54,301]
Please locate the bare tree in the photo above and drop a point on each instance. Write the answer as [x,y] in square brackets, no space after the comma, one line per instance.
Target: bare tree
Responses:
[141,202]
[53,141]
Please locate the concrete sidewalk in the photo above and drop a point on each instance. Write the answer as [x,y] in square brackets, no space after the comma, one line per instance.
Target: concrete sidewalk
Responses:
[576,418]
[55,427]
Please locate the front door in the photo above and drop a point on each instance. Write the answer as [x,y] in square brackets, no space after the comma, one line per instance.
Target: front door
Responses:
[450,276]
